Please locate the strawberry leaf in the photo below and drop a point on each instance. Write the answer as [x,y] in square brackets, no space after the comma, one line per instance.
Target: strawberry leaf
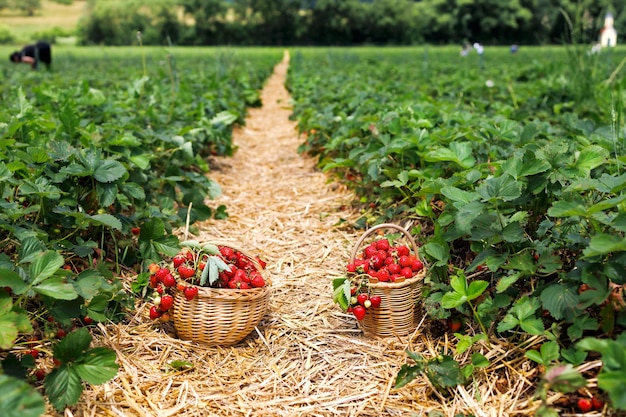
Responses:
[18,399]
[63,387]
[97,366]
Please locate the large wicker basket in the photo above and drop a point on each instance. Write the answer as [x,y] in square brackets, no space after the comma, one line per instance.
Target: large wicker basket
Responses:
[400,310]
[221,316]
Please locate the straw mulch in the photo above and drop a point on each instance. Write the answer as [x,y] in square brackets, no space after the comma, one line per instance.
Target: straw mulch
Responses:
[307,358]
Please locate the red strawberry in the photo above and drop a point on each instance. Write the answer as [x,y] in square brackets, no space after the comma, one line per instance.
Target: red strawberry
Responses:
[584,404]
[403,250]
[417,265]
[161,273]
[261,262]
[382,244]
[40,374]
[190,293]
[361,298]
[178,260]
[359,312]
[181,286]
[597,403]
[406,272]
[376,300]
[87,320]
[169,280]
[135,230]
[186,271]
[33,352]
[154,313]
[166,302]
[257,280]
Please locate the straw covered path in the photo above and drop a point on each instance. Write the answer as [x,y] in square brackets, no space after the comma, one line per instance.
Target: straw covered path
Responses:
[307,357]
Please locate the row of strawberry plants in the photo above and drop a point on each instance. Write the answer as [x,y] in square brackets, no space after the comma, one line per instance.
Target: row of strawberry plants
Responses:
[511,166]
[99,161]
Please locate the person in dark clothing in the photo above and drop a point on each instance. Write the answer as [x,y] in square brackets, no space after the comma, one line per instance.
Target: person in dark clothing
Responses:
[34,54]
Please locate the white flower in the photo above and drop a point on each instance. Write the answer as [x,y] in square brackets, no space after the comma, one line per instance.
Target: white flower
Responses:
[489,83]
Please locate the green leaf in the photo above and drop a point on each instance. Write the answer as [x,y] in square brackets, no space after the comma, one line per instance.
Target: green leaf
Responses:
[458,152]
[453,300]
[107,220]
[504,188]
[532,326]
[479,360]
[438,252]
[506,281]
[63,387]
[225,118]
[72,346]
[407,374]
[181,365]
[476,288]
[341,292]
[109,171]
[564,378]
[534,356]
[45,266]
[602,244]
[97,366]
[560,301]
[88,282]
[591,157]
[566,209]
[445,372]
[56,288]
[12,280]
[19,399]
[459,284]
[459,196]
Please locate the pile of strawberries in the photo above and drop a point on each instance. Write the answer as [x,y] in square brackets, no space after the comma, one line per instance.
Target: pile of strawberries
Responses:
[378,262]
[188,270]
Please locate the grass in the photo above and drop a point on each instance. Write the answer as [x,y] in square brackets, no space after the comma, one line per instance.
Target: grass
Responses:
[51,15]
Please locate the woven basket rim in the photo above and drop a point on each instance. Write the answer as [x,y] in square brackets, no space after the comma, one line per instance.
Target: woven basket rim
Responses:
[416,278]
[226,293]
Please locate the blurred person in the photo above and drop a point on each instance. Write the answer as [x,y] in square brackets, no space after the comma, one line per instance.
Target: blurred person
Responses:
[33,55]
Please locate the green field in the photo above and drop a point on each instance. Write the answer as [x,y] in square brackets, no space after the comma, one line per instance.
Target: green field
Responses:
[511,167]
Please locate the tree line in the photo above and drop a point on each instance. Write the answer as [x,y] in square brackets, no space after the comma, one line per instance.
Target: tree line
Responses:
[346,22]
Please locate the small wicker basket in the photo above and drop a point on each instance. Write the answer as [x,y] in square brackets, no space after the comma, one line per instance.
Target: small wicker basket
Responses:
[400,310]
[221,316]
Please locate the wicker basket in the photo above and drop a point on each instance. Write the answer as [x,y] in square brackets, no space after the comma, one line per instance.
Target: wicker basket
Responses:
[400,310]
[221,316]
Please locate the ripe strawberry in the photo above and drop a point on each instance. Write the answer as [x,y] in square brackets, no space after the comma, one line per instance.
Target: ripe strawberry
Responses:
[351,267]
[375,300]
[154,281]
[369,251]
[403,250]
[181,286]
[244,286]
[257,280]
[166,302]
[383,275]
[186,271]
[454,325]
[154,313]
[227,253]
[178,260]
[33,352]
[584,404]
[190,293]
[240,275]
[159,288]
[405,261]
[406,272]
[135,230]
[597,403]
[201,265]
[376,261]
[261,262]
[361,298]
[56,362]
[169,280]
[359,312]
[417,265]
[161,273]
[87,320]
[382,244]
[40,374]
[61,333]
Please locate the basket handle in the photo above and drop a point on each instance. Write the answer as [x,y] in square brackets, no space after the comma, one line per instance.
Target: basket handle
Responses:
[384,226]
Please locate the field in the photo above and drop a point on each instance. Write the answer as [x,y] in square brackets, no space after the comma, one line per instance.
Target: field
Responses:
[507,169]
